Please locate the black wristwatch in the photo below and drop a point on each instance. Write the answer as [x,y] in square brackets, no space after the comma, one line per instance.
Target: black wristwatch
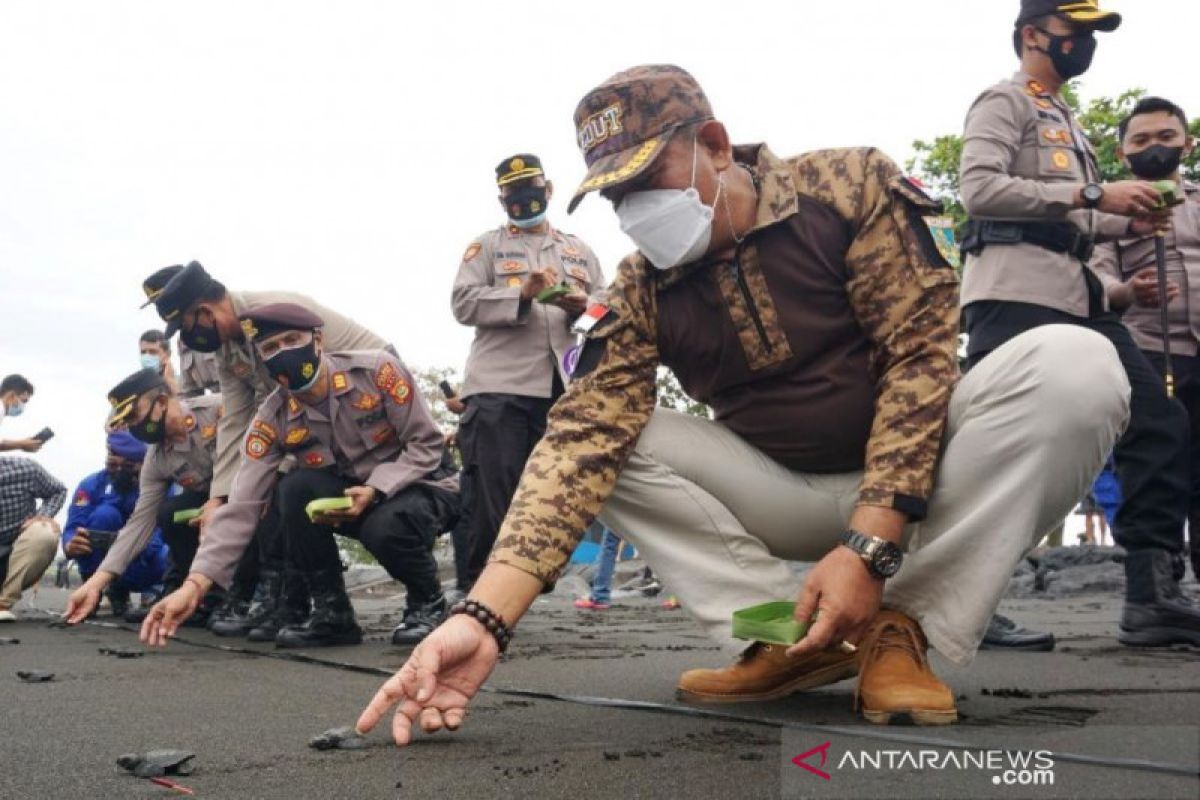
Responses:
[881,556]
[1092,194]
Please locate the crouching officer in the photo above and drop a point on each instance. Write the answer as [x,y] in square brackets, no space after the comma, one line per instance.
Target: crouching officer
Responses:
[182,436]
[360,431]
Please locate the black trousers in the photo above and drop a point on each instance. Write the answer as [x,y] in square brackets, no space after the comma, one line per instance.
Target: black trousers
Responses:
[496,436]
[1187,390]
[399,532]
[461,535]
[184,540]
[1152,456]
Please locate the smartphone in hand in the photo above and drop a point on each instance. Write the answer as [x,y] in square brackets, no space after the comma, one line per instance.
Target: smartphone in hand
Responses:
[447,389]
[44,435]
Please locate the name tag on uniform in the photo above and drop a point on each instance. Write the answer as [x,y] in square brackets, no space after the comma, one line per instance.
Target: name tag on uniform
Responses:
[588,319]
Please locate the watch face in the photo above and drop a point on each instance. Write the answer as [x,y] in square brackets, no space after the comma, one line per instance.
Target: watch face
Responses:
[887,561]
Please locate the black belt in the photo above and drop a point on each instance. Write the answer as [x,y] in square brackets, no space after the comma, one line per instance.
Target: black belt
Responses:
[1060,237]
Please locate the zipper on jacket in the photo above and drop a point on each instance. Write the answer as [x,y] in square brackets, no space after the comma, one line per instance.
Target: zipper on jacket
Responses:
[744,288]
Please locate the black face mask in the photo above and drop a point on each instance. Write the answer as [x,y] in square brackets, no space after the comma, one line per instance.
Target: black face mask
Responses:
[299,366]
[1155,162]
[148,429]
[526,203]
[202,338]
[123,480]
[1070,55]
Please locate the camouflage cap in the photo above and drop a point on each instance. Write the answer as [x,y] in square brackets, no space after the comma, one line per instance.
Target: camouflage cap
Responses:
[623,124]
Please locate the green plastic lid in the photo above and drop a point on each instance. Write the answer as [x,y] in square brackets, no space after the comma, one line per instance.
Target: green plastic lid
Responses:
[1169,192]
[553,293]
[327,504]
[773,623]
[185,515]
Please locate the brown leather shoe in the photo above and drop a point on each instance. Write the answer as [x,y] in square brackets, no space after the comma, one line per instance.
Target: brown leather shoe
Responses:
[894,680]
[764,672]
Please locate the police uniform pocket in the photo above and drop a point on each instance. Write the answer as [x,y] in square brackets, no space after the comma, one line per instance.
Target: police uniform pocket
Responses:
[930,247]
[510,273]
[1056,151]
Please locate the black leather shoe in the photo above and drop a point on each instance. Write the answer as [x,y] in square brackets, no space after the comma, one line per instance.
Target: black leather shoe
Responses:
[332,622]
[1004,634]
[1157,612]
[118,598]
[419,621]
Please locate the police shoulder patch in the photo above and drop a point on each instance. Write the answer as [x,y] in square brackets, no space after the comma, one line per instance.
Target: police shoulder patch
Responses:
[82,498]
[257,445]
[387,376]
[208,431]
[265,429]
[340,381]
[401,392]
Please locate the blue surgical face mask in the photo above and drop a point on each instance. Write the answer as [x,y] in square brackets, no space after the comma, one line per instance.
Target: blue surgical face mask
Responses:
[150,361]
[532,222]
[16,409]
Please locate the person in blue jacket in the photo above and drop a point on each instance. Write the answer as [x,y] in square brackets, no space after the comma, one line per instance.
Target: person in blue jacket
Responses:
[103,502]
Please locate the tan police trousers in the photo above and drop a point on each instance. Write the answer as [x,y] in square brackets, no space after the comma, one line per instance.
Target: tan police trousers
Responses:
[1029,429]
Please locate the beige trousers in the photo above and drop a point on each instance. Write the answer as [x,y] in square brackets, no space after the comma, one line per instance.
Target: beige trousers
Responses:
[1029,429]
[31,555]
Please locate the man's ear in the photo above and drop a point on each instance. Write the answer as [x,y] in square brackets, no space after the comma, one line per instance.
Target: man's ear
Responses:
[549,190]
[1121,157]
[1189,146]
[715,139]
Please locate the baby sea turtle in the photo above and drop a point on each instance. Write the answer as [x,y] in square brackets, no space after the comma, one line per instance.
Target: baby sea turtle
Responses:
[338,739]
[35,675]
[156,763]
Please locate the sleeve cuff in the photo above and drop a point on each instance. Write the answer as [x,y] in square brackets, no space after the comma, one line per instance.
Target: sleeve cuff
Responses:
[914,507]
[538,569]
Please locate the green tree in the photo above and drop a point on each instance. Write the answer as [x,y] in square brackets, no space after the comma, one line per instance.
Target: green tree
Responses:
[935,161]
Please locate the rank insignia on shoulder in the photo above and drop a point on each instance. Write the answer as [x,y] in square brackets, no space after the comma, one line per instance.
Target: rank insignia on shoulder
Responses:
[189,422]
[1035,88]
[472,250]
[590,318]
[208,431]
[296,435]
[293,406]
[339,381]
[248,328]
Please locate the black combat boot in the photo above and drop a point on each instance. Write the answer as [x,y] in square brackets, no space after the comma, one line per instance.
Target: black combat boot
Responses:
[419,621]
[332,621]
[232,618]
[1157,613]
[286,603]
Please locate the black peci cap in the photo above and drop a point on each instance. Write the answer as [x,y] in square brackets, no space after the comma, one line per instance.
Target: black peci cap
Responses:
[181,292]
[123,397]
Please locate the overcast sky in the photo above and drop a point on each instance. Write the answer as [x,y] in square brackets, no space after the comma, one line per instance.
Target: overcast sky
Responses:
[346,149]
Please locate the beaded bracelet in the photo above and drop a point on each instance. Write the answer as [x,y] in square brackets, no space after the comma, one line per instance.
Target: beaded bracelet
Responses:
[488,618]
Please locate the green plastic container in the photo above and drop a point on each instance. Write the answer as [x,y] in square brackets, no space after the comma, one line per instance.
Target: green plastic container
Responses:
[185,515]
[327,504]
[553,293]
[772,623]
[1169,192]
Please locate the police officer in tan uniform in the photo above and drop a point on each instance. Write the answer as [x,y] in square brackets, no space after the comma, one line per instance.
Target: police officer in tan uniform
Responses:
[181,434]
[1154,140]
[206,316]
[1032,188]
[515,370]
[197,371]
[359,430]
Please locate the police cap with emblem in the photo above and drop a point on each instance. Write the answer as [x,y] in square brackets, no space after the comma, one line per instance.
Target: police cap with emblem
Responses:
[153,285]
[123,397]
[518,168]
[188,286]
[268,320]
[1083,12]
[624,123]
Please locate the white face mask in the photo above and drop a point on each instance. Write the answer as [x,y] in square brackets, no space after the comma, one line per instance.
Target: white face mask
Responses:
[669,226]
[15,409]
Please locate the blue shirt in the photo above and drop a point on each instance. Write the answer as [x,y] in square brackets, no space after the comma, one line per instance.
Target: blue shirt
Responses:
[99,505]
